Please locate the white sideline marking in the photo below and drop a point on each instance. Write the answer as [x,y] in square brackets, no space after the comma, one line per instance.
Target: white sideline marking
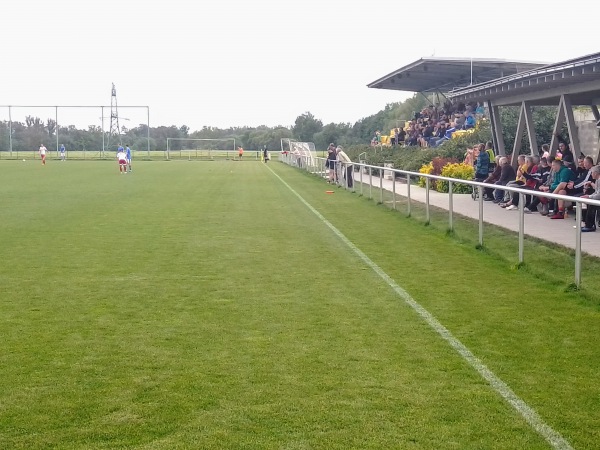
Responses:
[533,419]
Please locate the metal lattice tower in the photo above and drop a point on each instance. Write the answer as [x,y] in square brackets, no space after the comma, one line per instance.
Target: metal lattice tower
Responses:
[114,135]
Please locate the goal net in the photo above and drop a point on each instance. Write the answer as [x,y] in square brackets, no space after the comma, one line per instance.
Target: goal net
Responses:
[191,148]
[302,154]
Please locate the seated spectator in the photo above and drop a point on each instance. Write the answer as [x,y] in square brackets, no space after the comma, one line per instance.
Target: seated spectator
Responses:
[580,167]
[545,151]
[447,136]
[401,136]
[575,187]
[479,111]
[547,178]
[562,176]
[426,134]
[519,181]
[488,193]
[469,121]
[525,172]
[591,212]
[507,173]
[533,180]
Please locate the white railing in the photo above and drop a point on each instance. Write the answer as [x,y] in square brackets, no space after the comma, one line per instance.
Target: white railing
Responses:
[318,167]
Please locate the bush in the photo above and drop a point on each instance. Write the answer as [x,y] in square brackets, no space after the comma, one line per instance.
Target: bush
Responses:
[435,167]
[456,170]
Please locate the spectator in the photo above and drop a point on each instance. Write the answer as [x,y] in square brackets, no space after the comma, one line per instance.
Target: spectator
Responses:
[519,181]
[562,176]
[469,121]
[580,168]
[447,135]
[524,172]
[547,178]
[331,159]
[545,151]
[346,166]
[533,180]
[488,193]
[482,165]
[592,210]
[575,187]
[507,173]
[480,111]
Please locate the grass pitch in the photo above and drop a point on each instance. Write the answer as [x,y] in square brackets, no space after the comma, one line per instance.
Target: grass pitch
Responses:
[201,305]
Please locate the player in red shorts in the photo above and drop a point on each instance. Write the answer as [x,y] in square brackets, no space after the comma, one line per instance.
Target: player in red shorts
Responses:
[43,154]
[122,157]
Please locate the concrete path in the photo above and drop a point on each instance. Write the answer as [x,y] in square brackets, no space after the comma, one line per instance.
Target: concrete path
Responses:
[558,231]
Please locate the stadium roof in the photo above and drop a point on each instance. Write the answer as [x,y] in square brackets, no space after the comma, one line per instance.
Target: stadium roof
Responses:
[578,77]
[445,74]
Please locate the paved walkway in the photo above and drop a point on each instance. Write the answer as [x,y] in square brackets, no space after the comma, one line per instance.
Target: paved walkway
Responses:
[557,231]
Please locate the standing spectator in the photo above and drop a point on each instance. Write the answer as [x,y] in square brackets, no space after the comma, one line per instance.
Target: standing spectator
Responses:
[346,166]
[331,158]
[482,165]
[396,136]
[240,152]
[266,155]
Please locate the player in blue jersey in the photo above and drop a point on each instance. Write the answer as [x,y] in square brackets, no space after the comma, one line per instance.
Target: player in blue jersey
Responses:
[128,156]
[62,152]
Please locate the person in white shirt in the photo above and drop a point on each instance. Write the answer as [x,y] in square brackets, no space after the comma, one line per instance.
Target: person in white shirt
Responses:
[122,157]
[345,164]
[43,154]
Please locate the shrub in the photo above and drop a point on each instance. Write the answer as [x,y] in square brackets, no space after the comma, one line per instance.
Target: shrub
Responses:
[426,168]
[456,170]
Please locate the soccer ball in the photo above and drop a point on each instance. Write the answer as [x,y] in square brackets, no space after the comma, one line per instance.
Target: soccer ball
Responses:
[23,160]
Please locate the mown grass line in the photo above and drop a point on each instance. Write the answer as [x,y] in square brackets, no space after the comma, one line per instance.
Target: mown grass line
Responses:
[533,334]
[197,305]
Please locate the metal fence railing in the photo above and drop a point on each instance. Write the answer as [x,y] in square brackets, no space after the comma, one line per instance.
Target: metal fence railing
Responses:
[363,175]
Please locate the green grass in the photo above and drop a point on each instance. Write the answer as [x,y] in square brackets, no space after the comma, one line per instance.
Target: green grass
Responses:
[201,305]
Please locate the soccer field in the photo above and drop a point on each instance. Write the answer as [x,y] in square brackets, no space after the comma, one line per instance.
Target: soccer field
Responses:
[236,305]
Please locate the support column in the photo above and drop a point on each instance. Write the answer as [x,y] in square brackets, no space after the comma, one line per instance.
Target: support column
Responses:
[575,147]
[595,112]
[496,128]
[560,118]
[518,136]
[530,129]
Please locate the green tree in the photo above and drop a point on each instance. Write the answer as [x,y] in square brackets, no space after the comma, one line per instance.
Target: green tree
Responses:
[306,126]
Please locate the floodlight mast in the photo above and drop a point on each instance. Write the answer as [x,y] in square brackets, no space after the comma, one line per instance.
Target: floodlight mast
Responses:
[115,130]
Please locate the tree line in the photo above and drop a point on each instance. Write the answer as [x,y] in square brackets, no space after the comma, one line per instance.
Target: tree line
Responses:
[28,135]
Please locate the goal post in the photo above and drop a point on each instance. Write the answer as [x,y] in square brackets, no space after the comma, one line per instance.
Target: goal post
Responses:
[197,148]
[299,153]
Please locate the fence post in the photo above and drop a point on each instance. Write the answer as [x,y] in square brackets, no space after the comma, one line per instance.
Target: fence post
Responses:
[450,206]
[480,191]
[578,245]
[380,187]
[362,169]
[408,194]
[427,218]
[394,191]
[521,227]
[370,183]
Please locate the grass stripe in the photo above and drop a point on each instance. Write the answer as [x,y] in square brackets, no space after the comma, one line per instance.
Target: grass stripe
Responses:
[527,412]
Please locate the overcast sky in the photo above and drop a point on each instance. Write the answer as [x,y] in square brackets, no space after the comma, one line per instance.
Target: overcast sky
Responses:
[233,62]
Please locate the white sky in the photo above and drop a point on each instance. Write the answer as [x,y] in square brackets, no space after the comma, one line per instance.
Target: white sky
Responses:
[239,62]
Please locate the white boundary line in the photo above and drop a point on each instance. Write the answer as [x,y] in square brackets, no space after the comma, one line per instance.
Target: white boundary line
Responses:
[527,412]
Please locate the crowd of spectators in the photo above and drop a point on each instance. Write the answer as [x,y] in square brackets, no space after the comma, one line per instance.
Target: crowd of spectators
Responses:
[432,126]
[558,174]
